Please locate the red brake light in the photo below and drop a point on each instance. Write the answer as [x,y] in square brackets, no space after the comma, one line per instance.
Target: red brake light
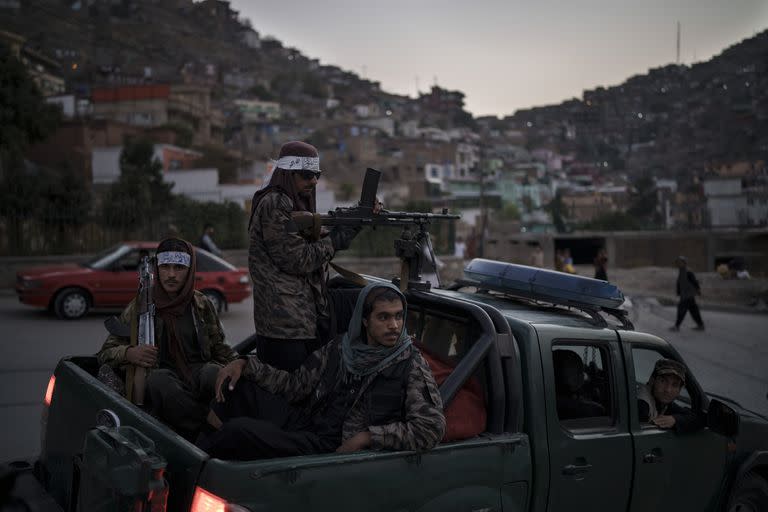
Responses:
[204,501]
[49,391]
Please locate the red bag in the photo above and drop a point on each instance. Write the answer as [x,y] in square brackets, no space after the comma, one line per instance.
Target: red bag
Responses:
[465,416]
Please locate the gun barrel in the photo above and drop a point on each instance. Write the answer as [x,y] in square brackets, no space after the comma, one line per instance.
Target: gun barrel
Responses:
[385,219]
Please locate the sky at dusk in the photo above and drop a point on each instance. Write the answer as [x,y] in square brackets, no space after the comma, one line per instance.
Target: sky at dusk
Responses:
[505,54]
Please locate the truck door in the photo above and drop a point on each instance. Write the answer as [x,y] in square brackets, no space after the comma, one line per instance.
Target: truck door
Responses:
[673,471]
[590,448]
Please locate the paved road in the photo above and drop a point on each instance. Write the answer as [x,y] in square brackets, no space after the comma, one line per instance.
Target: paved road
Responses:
[730,357]
[32,342]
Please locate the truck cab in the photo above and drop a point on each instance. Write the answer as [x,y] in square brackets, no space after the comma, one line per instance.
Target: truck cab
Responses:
[558,365]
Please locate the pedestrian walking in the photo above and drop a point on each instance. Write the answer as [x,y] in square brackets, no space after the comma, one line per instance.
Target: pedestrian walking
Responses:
[687,288]
[601,265]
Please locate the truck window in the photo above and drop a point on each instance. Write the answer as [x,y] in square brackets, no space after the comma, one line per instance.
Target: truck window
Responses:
[644,360]
[583,387]
[444,337]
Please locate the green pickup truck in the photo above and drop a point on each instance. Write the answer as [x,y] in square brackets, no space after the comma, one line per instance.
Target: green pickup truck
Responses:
[501,326]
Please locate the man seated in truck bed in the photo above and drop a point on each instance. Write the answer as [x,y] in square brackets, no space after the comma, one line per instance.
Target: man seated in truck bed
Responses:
[369,388]
[190,348]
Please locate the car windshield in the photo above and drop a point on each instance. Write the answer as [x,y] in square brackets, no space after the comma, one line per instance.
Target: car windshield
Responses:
[207,262]
[106,257]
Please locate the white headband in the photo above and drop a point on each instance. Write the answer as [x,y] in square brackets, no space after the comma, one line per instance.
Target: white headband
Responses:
[174,258]
[299,163]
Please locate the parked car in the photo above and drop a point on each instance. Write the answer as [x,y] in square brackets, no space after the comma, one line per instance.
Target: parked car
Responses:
[110,279]
[501,327]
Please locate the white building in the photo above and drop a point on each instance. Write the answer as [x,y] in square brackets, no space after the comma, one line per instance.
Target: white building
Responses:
[729,204]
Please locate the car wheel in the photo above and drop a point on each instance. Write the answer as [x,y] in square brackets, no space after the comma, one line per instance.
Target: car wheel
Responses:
[216,299]
[71,303]
[750,494]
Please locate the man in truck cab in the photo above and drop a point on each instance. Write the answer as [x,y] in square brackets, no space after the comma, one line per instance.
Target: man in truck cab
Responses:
[368,388]
[655,400]
[190,348]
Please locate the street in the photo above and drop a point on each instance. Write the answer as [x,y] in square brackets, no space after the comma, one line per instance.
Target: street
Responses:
[729,358]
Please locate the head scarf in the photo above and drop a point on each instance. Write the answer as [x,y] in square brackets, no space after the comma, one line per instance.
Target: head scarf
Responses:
[171,309]
[359,359]
[282,180]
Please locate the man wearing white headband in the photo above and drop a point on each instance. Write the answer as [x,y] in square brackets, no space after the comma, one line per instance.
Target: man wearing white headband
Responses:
[190,347]
[288,270]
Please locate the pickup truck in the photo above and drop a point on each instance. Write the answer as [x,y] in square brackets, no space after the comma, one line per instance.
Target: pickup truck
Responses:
[503,325]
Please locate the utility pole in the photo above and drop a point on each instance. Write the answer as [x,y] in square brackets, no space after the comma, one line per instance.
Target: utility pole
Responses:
[678,44]
[483,214]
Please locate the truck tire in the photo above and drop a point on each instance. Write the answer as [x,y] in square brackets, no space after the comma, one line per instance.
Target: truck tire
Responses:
[750,494]
[71,303]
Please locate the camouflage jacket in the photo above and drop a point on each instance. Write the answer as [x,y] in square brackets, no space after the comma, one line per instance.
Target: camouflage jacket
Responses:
[209,331]
[424,423]
[288,273]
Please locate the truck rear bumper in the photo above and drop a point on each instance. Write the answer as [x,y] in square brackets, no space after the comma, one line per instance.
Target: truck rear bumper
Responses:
[19,477]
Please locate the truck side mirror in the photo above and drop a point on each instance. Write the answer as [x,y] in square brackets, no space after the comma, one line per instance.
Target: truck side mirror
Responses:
[722,419]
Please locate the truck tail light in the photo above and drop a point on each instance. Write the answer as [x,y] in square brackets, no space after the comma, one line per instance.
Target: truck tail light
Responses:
[204,501]
[49,391]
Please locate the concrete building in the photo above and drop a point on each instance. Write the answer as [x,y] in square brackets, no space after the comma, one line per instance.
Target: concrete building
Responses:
[732,204]
[105,161]
[254,111]
[44,71]
[158,105]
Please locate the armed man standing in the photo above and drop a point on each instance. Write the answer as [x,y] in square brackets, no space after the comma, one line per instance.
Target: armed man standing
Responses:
[190,347]
[289,270]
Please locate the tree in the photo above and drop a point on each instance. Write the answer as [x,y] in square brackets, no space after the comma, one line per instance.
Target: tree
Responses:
[346,191]
[25,118]
[557,209]
[643,201]
[509,211]
[140,196]
[65,204]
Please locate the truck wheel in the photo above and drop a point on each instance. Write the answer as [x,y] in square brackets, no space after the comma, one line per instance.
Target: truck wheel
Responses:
[750,494]
[71,303]
[216,299]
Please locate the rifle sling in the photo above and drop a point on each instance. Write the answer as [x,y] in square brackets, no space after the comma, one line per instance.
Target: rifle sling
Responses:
[349,275]
[130,369]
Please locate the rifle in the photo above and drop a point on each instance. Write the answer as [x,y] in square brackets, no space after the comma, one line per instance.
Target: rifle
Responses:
[142,330]
[411,245]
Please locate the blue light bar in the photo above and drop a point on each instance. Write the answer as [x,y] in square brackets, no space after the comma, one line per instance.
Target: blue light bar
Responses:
[543,285]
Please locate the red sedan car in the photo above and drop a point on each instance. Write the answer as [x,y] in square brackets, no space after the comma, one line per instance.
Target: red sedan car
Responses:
[110,279]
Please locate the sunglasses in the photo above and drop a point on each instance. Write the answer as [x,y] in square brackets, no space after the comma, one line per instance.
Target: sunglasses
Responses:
[308,175]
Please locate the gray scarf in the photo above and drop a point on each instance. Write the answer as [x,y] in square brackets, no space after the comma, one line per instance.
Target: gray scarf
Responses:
[360,359]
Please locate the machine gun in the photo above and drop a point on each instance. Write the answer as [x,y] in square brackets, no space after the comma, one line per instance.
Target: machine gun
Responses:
[413,245]
[142,330]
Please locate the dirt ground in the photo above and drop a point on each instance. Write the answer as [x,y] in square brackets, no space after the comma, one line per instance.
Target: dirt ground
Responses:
[659,282]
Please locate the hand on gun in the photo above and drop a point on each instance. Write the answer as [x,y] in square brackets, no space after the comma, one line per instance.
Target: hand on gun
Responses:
[228,376]
[142,355]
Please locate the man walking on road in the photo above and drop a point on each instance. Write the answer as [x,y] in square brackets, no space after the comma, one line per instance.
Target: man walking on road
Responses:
[687,288]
